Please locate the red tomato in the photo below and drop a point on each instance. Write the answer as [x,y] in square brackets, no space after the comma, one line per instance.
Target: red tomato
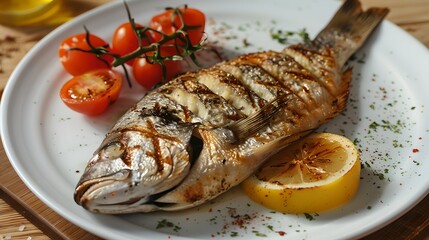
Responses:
[192,17]
[92,92]
[77,62]
[125,40]
[149,74]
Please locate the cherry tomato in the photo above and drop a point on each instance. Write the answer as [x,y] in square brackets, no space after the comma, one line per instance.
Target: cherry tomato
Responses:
[149,74]
[92,92]
[192,17]
[77,62]
[125,40]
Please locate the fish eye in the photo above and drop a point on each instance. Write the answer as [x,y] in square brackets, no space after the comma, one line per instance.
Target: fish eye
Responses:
[112,151]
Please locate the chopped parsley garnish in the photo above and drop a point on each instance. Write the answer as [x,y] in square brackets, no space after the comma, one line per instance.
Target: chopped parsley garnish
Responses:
[284,37]
[309,216]
[166,224]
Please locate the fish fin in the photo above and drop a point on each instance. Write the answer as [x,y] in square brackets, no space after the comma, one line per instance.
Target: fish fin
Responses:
[250,125]
[349,28]
[343,97]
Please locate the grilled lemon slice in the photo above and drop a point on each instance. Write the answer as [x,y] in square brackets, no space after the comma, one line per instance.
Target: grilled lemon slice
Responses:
[317,173]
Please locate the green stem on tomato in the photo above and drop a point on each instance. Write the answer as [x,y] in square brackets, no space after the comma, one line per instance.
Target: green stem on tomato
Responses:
[187,49]
[126,75]
[136,54]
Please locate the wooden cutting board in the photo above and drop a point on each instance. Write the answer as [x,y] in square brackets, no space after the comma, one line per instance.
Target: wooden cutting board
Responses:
[18,196]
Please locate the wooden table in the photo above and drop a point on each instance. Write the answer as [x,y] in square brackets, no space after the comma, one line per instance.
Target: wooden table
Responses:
[24,216]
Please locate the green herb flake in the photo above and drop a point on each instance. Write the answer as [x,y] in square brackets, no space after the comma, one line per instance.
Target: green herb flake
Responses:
[213,220]
[246,43]
[164,223]
[362,58]
[380,176]
[177,228]
[259,234]
[396,144]
[386,125]
[374,126]
[309,216]
[284,37]
[167,224]
[356,141]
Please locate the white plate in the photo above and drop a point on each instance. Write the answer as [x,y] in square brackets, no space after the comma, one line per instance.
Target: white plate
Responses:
[47,143]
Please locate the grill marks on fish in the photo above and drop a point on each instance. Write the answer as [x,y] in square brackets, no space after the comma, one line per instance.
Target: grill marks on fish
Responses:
[158,104]
[320,62]
[155,137]
[293,76]
[231,89]
[152,137]
[237,89]
[257,79]
[278,74]
[158,149]
[202,102]
[149,131]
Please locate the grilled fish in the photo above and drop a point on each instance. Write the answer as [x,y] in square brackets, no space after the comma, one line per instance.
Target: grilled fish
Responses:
[204,132]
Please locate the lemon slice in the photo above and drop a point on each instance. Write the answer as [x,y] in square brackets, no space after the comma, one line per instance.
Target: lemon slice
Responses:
[317,173]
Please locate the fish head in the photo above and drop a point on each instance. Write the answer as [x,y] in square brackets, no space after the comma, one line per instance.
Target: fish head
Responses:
[125,173]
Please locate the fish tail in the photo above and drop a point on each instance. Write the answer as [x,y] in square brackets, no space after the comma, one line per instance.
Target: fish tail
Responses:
[349,29]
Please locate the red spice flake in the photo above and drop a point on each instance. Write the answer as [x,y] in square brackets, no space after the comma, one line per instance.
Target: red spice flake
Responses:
[416,150]
[9,38]
[225,226]
[281,233]
[239,220]
[242,220]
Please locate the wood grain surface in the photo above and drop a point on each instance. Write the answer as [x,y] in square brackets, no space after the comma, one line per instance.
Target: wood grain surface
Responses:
[24,216]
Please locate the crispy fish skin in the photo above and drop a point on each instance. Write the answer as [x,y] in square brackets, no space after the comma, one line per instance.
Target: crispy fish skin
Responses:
[202,133]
